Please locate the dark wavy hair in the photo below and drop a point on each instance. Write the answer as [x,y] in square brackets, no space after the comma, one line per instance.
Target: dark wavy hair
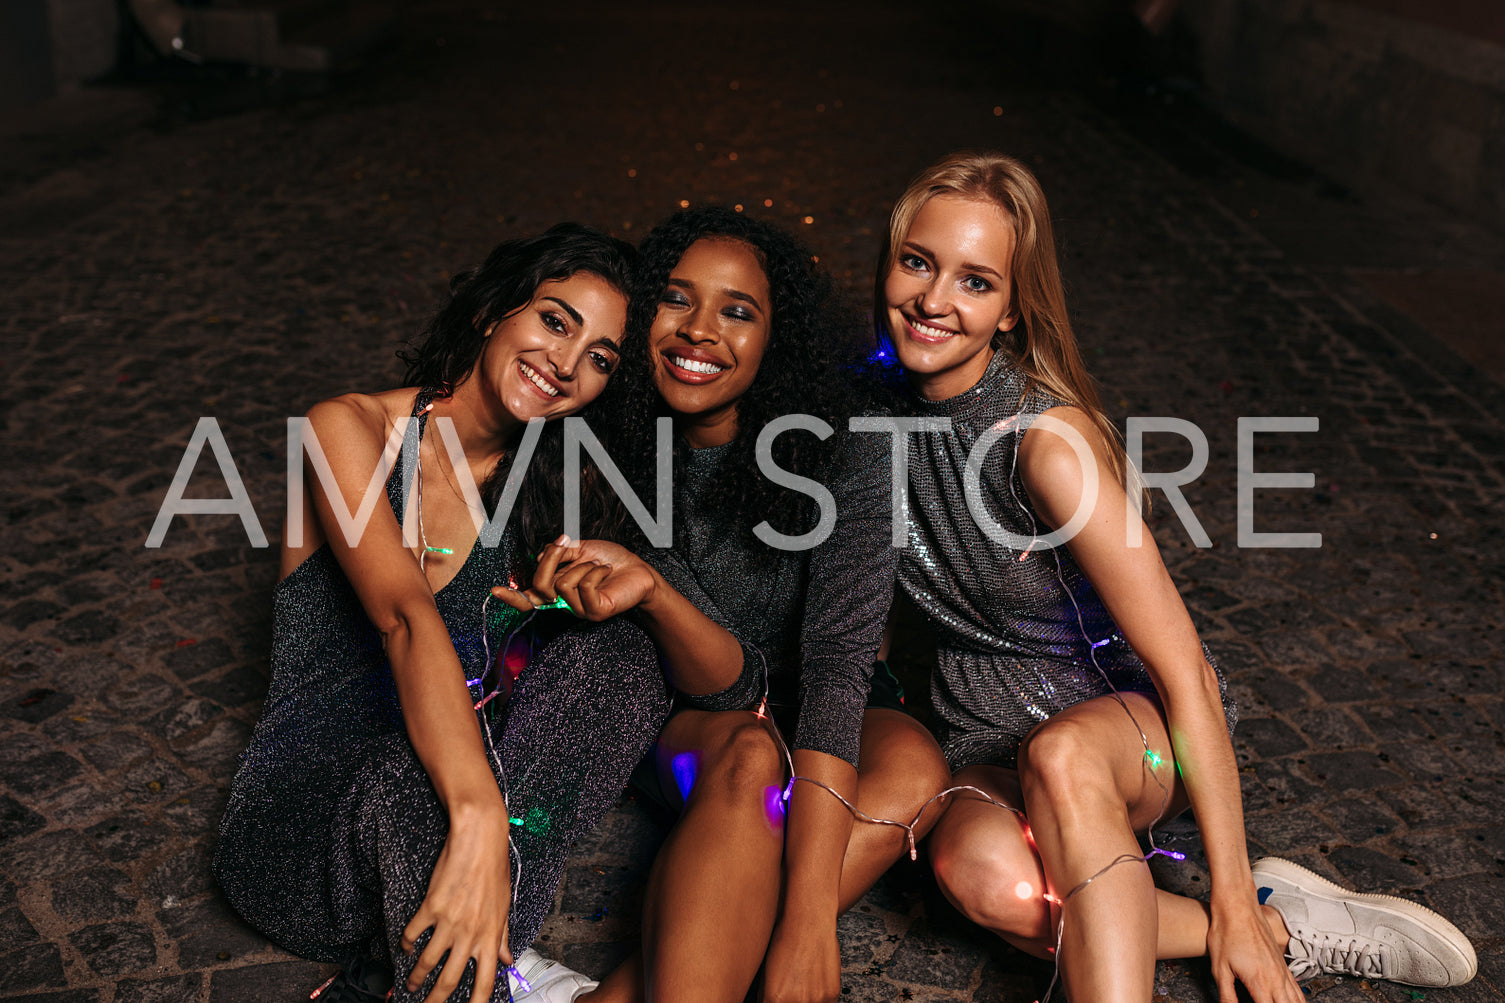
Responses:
[801,373]
[450,344]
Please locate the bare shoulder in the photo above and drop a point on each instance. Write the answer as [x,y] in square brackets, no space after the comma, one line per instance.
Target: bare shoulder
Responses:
[1047,446]
[1056,474]
[360,416]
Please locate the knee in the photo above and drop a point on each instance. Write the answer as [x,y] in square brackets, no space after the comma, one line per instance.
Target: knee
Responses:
[1061,765]
[741,762]
[913,772]
[992,887]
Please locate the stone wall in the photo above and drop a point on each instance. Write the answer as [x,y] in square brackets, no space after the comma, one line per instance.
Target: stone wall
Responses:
[1407,93]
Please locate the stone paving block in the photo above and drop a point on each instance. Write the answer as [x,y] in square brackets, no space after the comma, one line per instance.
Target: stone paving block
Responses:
[94,894]
[1346,771]
[66,996]
[17,820]
[49,856]
[173,989]
[39,773]
[929,957]
[1280,831]
[1361,818]
[116,750]
[208,933]
[1267,737]
[115,948]
[1475,904]
[1366,869]
[34,967]
[216,749]
[181,876]
[274,980]
[15,928]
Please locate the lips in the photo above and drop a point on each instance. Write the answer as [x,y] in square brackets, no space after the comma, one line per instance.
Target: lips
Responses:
[538,381]
[928,333]
[690,365]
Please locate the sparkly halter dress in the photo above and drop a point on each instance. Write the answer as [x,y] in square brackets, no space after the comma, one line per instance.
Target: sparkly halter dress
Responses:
[333,827]
[1016,634]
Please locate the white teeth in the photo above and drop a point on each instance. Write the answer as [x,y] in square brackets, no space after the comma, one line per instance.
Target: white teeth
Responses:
[694,366]
[538,381]
[931,332]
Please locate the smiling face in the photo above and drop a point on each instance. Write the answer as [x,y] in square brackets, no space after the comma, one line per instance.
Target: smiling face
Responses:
[709,335]
[948,293]
[553,356]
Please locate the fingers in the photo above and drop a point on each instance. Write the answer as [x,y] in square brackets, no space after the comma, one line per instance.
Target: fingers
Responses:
[487,972]
[568,583]
[595,604]
[513,598]
[561,551]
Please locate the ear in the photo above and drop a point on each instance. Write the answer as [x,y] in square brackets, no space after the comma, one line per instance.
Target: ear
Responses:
[1009,320]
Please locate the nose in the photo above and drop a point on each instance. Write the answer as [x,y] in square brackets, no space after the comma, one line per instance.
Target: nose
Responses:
[700,325]
[932,300]
[565,359]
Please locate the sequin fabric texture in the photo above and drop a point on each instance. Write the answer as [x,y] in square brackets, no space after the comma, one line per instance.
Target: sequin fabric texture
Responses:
[1011,649]
[816,615]
[333,827]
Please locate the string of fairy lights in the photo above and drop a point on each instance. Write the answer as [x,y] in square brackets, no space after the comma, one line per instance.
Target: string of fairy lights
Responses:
[1151,761]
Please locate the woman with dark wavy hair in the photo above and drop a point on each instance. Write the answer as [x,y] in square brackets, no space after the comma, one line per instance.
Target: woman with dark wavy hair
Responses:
[379,813]
[764,603]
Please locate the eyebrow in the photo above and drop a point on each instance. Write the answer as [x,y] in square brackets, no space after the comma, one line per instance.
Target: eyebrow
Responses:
[567,309]
[966,265]
[735,294]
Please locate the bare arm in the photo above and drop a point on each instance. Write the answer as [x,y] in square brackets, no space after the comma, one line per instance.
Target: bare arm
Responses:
[469,891]
[1137,590]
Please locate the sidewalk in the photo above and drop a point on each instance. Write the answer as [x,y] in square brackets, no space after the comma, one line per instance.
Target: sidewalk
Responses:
[248,265]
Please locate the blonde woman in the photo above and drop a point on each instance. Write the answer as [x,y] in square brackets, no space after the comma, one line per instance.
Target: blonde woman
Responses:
[1071,682]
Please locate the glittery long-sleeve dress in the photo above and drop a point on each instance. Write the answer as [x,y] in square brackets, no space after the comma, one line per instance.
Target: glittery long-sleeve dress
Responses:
[1019,637]
[333,828]
[816,616]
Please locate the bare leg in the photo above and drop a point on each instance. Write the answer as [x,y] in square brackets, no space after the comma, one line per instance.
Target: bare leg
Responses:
[713,892]
[1087,790]
[901,768]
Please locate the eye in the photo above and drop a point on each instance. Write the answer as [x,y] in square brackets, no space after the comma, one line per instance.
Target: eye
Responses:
[554,322]
[913,262]
[741,313]
[673,297]
[604,362]
[977,284]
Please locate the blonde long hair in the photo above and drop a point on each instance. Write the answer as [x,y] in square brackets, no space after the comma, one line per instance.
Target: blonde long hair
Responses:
[1041,343]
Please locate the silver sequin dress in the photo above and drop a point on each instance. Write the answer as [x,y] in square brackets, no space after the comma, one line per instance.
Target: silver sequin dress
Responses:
[1016,638]
[333,827]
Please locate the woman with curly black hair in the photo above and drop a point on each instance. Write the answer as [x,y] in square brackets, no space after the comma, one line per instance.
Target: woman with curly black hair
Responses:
[770,600]
[385,814]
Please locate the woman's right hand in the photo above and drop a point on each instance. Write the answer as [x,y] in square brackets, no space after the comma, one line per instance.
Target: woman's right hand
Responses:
[469,896]
[599,580]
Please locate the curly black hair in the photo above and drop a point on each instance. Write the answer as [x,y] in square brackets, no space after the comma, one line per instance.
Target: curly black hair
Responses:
[447,351]
[803,371]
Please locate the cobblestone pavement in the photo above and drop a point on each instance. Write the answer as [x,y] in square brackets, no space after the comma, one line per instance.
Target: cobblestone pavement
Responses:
[244,262]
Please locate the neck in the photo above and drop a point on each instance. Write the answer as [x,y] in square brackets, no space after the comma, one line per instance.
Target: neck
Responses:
[704,431]
[952,382]
[485,433]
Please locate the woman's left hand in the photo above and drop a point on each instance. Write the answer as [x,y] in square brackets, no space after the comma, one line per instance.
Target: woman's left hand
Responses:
[1242,948]
[597,579]
[802,966]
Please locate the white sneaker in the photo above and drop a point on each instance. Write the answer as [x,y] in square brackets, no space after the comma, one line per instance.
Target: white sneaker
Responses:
[547,981]
[1338,932]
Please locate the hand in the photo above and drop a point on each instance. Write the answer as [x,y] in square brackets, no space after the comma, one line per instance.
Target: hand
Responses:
[803,965]
[468,898]
[597,579]
[1242,948]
